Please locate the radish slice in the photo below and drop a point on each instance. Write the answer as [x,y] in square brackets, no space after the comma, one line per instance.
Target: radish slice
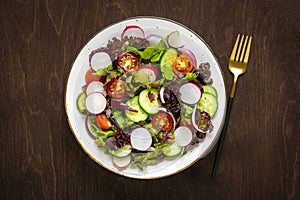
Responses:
[190,93]
[161,94]
[95,86]
[134,31]
[183,136]
[121,163]
[150,72]
[190,53]
[100,60]
[154,39]
[140,139]
[87,126]
[95,103]
[174,40]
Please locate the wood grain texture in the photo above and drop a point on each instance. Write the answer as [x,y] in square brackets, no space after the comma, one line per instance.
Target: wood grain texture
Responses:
[40,158]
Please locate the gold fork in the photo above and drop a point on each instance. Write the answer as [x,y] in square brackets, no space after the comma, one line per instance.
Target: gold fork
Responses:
[237,65]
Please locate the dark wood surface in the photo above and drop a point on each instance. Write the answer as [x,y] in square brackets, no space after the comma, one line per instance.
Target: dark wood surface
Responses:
[40,158]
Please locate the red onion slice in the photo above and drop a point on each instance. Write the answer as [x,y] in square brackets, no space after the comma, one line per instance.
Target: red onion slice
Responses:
[190,53]
[88,129]
[155,39]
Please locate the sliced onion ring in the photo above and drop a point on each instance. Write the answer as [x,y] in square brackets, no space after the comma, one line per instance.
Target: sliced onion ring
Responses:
[190,53]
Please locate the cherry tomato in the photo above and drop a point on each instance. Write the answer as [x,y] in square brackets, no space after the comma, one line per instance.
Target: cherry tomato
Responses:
[91,75]
[128,61]
[162,121]
[183,64]
[103,122]
[116,88]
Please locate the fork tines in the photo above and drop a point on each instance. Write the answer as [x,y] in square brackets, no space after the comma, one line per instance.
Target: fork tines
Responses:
[241,49]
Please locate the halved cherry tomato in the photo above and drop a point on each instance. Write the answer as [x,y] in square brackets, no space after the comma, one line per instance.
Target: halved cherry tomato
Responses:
[91,75]
[162,121]
[103,122]
[128,61]
[183,64]
[116,88]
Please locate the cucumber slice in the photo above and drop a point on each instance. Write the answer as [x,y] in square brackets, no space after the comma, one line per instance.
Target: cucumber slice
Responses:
[169,57]
[208,103]
[172,150]
[140,115]
[167,60]
[122,152]
[148,99]
[210,89]
[81,103]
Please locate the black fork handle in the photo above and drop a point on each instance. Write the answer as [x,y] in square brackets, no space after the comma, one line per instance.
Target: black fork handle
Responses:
[222,138]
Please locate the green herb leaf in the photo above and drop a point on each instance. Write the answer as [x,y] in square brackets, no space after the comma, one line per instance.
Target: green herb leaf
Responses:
[101,72]
[110,67]
[133,50]
[152,52]
[99,132]
[167,72]
[161,45]
[121,120]
[100,142]
[190,76]
[157,57]
[149,52]
[187,110]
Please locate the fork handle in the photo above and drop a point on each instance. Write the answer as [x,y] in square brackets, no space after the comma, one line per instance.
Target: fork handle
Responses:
[222,138]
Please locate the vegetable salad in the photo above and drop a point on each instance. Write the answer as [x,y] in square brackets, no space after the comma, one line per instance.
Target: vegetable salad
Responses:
[146,98]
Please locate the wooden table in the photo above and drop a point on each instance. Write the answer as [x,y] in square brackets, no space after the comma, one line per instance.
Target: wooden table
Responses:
[40,158]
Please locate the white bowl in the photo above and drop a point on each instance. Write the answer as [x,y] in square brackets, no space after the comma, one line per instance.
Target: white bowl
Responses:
[76,80]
